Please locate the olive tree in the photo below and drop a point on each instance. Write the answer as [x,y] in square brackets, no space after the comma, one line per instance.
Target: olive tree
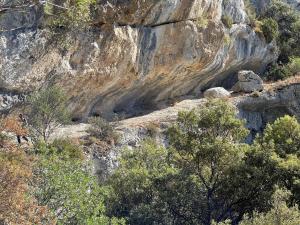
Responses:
[47,112]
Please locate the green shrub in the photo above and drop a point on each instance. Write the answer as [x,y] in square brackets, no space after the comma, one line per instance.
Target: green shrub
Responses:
[257,26]
[70,192]
[227,21]
[47,112]
[278,72]
[289,29]
[270,30]
[294,65]
[281,72]
[227,40]
[102,129]
[251,11]
[68,13]
[280,213]
[202,21]
[153,130]
[62,148]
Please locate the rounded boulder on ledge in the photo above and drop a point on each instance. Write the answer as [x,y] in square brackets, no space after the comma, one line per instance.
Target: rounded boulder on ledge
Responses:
[248,82]
[217,92]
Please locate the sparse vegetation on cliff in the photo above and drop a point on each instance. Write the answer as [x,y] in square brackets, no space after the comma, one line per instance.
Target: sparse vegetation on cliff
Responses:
[68,13]
[269,29]
[227,21]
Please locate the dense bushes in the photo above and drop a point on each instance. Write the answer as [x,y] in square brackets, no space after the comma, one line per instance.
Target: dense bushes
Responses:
[72,194]
[289,29]
[280,71]
[269,28]
[278,22]
[207,175]
[156,185]
[288,20]
[279,214]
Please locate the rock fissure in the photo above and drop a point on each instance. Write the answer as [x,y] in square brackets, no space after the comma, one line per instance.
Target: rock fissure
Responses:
[144,54]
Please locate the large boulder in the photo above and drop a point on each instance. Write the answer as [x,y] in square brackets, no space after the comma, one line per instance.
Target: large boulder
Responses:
[248,82]
[217,92]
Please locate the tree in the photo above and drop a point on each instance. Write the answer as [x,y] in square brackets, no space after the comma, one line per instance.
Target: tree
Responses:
[102,130]
[72,194]
[207,146]
[280,214]
[284,136]
[270,29]
[136,185]
[206,175]
[289,28]
[284,133]
[47,112]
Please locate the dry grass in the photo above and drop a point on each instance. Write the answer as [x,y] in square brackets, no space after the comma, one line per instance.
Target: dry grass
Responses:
[282,83]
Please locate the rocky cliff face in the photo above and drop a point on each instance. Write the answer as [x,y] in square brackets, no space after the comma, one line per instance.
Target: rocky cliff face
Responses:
[270,105]
[138,54]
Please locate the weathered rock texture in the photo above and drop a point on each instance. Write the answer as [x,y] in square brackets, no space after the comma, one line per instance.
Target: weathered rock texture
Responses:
[217,92]
[142,52]
[256,110]
[248,82]
[266,108]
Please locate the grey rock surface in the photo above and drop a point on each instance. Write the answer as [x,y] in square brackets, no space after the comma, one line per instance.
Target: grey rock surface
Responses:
[248,82]
[256,110]
[217,92]
[143,53]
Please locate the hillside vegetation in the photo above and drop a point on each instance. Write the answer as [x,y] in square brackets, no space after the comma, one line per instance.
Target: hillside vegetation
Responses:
[200,169]
[206,175]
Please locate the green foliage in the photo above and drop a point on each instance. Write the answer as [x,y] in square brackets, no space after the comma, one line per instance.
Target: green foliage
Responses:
[68,13]
[69,190]
[281,72]
[216,121]
[270,30]
[227,40]
[279,214]
[102,129]
[227,21]
[284,133]
[289,29]
[154,185]
[63,148]
[47,112]
[250,10]
[136,183]
[202,21]
[278,72]
[284,137]
[206,159]
[294,65]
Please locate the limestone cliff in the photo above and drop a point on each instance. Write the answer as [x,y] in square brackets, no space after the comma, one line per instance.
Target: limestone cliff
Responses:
[137,54]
